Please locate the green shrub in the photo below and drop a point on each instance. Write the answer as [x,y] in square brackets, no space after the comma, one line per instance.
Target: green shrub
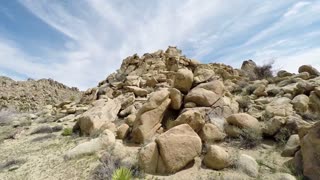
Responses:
[244,103]
[250,138]
[122,173]
[282,136]
[264,71]
[67,132]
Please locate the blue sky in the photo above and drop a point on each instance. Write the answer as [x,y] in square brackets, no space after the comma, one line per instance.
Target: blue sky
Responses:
[80,42]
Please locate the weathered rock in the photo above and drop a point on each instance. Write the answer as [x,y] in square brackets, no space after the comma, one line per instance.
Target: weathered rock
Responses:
[310,149]
[137,91]
[248,165]
[216,158]
[148,158]
[301,103]
[183,80]
[309,69]
[176,98]
[314,102]
[191,117]
[211,133]
[104,141]
[284,73]
[202,73]
[279,176]
[260,91]
[149,117]
[242,121]
[206,94]
[122,131]
[273,125]
[292,146]
[178,146]
[101,113]
[280,107]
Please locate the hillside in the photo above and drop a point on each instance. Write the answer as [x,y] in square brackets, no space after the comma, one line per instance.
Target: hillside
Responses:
[165,116]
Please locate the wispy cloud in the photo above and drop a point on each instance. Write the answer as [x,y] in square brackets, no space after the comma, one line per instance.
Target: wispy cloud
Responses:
[98,34]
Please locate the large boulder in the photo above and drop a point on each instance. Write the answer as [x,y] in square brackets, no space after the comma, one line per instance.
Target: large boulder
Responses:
[309,69]
[183,80]
[211,133]
[248,165]
[176,98]
[314,102]
[292,146]
[137,91]
[192,117]
[280,107]
[178,147]
[301,103]
[148,158]
[102,113]
[216,158]
[206,94]
[244,122]
[149,117]
[310,149]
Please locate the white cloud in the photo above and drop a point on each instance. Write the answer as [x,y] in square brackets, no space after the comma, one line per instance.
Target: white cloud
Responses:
[101,33]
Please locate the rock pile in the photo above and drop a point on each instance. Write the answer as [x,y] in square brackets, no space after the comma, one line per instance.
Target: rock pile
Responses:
[32,95]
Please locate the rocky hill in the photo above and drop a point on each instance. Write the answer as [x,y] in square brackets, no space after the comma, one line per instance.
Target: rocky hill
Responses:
[32,95]
[165,116]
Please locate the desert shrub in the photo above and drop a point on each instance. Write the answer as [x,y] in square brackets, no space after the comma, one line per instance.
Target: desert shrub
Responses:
[264,71]
[282,136]
[244,103]
[6,116]
[72,98]
[109,165]
[122,173]
[250,89]
[250,138]
[67,132]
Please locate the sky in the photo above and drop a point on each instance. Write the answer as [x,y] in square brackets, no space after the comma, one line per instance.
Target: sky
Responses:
[80,42]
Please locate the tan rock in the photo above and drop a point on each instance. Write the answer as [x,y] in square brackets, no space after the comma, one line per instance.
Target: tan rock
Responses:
[206,94]
[191,117]
[178,146]
[273,125]
[137,91]
[301,103]
[309,69]
[310,149]
[148,158]
[211,133]
[248,165]
[244,121]
[176,98]
[101,113]
[149,117]
[292,146]
[280,107]
[216,158]
[122,131]
[183,80]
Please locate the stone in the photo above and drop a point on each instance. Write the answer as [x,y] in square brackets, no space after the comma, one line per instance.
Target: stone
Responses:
[279,176]
[191,117]
[292,146]
[309,69]
[149,117]
[104,141]
[310,149]
[260,91]
[101,113]
[176,98]
[137,91]
[206,94]
[211,133]
[130,119]
[216,158]
[178,147]
[122,131]
[148,158]
[248,165]
[202,74]
[301,103]
[280,107]
[243,121]
[314,102]
[283,73]
[273,125]
[183,80]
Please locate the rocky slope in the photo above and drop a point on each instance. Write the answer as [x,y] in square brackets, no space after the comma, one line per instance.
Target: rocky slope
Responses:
[166,116]
[32,95]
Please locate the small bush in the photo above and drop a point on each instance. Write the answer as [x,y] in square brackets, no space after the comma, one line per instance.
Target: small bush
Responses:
[122,174]
[264,71]
[67,132]
[244,103]
[308,116]
[250,138]
[282,136]
[6,116]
